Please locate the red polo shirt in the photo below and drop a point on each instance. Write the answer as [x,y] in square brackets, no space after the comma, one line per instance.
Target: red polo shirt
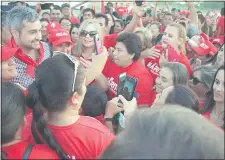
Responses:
[145,81]
[39,151]
[87,138]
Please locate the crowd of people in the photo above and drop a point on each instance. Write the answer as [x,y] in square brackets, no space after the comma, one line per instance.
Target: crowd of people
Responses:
[60,75]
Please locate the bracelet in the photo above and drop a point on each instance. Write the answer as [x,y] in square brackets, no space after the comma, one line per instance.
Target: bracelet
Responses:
[108,119]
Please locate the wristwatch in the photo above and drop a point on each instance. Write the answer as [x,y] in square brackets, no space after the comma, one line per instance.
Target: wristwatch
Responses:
[108,119]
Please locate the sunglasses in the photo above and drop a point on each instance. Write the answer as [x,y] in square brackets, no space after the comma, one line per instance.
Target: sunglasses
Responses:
[84,33]
[195,80]
[74,61]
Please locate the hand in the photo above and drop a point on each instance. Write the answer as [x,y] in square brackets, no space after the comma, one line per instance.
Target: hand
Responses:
[128,106]
[86,63]
[163,58]
[111,50]
[112,108]
[152,53]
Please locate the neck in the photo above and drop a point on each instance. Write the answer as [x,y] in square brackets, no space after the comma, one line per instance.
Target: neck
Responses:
[219,108]
[63,118]
[87,53]
[127,64]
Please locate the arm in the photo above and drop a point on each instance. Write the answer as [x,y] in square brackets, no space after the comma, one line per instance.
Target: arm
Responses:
[168,7]
[193,17]
[155,11]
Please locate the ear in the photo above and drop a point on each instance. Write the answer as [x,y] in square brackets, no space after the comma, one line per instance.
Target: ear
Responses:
[74,99]
[15,33]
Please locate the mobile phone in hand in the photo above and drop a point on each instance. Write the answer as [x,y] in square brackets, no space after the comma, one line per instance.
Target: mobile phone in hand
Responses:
[121,82]
[98,44]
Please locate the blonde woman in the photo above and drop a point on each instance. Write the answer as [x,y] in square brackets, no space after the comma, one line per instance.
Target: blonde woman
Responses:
[85,45]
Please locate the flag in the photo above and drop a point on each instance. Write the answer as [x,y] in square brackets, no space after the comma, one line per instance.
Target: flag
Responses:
[102,7]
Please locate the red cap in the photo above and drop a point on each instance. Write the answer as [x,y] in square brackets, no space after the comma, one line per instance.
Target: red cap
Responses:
[219,40]
[205,47]
[52,26]
[8,52]
[59,36]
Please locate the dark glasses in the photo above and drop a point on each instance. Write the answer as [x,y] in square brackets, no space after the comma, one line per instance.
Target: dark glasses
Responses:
[84,33]
[74,61]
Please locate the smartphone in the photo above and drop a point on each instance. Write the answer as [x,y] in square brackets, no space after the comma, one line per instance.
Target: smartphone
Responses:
[121,82]
[129,88]
[98,44]
[138,2]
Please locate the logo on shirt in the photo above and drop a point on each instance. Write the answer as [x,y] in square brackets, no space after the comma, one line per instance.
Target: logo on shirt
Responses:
[71,157]
[112,85]
[154,68]
[204,46]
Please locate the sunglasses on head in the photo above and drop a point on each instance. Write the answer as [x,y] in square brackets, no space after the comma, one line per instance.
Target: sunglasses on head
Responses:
[84,33]
[75,64]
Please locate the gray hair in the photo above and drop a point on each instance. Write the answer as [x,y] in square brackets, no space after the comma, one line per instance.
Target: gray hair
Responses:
[180,73]
[147,36]
[17,15]
[3,19]
[207,74]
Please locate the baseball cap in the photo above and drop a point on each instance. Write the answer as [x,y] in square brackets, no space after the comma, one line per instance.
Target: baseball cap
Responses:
[8,52]
[205,47]
[219,40]
[53,26]
[65,5]
[59,36]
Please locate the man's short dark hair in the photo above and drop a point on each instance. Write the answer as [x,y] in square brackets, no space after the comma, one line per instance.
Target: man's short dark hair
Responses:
[55,7]
[168,14]
[100,15]
[89,10]
[44,20]
[132,43]
[45,13]
[65,5]
[173,9]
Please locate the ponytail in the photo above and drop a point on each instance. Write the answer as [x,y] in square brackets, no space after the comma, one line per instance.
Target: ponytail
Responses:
[182,48]
[33,101]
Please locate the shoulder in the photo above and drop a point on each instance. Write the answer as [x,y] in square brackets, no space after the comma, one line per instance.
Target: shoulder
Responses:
[43,152]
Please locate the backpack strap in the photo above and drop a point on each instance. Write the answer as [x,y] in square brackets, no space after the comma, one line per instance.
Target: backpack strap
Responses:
[35,134]
[27,152]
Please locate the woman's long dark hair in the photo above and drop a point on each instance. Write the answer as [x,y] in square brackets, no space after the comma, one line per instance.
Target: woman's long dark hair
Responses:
[13,111]
[210,103]
[51,90]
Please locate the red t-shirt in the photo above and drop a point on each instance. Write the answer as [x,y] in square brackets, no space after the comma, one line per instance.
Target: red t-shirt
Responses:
[163,28]
[220,23]
[145,81]
[74,20]
[154,67]
[87,138]
[39,151]
[121,10]
[110,40]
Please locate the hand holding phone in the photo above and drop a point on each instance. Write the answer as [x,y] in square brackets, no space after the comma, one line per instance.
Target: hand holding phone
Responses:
[98,44]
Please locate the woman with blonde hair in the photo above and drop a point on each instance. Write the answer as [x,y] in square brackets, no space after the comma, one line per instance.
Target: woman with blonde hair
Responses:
[89,29]
[172,50]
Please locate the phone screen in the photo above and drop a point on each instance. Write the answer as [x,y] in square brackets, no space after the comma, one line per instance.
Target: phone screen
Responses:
[121,82]
[97,44]
[129,88]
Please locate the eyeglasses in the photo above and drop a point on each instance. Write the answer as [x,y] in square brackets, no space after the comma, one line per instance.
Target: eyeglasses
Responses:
[74,61]
[84,33]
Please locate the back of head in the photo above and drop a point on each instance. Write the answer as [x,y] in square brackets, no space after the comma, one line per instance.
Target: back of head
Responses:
[180,73]
[167,132]
[183,96]
[89,10]
[147,34]
[207,74]
[12,111]
[94,102]
[132,43]
[17,15]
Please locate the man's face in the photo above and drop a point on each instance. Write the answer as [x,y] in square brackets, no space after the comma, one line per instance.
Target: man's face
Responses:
[87,15]
[47,16]
[101,22]
[30,35]
[167,20]
[56,15]
[63,47]
[66,11]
